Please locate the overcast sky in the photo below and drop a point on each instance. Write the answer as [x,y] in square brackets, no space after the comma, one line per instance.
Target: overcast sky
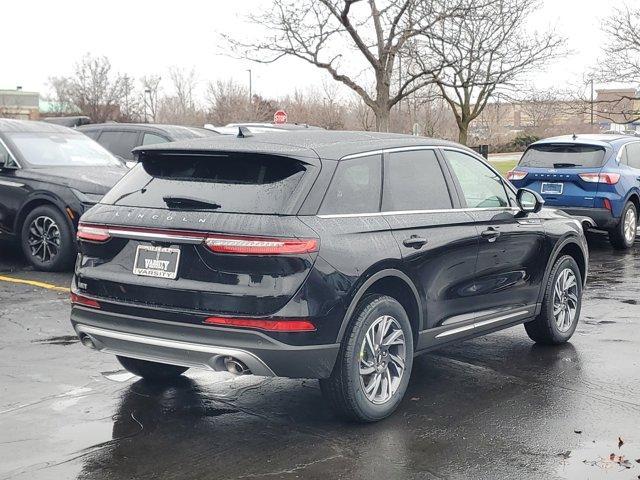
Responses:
[43,38]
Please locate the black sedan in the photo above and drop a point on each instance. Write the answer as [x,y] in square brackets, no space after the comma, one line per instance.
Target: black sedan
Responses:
[49,175]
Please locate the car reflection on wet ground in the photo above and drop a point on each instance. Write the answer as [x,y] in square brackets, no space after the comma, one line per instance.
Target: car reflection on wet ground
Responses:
[493,407]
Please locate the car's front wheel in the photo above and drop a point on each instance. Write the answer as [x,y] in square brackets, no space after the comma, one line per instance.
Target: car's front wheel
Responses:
[47,239]
[374,364]
[561,304]
[623,235]
[151,370]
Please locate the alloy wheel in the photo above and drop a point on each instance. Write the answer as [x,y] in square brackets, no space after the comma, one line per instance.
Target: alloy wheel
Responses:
[565,299]
[382,359]
[44,238]
[630,225]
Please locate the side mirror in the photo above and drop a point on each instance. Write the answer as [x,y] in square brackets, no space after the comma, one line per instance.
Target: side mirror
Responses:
[529,201]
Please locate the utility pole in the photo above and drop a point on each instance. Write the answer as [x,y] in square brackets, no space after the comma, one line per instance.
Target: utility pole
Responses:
[591,101]
[250,87]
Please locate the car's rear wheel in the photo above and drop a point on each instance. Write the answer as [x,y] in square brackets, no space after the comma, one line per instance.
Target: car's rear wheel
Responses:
[151,370]
[47,239]
[624,234]
[561,304]
[374,364]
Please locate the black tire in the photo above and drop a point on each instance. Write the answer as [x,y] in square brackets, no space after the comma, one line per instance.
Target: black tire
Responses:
[344,389]
[66,250]
[151,370]
[617,234]
[544,329]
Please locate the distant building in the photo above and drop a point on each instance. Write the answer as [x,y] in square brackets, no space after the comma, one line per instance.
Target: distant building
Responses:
[617,108]
[19,104]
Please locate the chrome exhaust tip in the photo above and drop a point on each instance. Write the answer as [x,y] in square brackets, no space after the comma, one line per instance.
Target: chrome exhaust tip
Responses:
[235,366]
[87,341]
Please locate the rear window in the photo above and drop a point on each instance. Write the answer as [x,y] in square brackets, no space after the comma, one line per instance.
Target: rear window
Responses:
[235,183]
[558,155]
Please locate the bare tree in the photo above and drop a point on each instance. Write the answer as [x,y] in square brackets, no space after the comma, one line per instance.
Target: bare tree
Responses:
[228,102]
[184,84]
[486,49]
[151,91]
[315,30]
[621,57]
[95,89]
[60,101]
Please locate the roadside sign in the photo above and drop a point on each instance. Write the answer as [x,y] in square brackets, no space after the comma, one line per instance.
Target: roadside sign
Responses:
[280,117]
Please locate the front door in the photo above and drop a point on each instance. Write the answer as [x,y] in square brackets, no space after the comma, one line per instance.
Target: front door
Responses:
[511,255]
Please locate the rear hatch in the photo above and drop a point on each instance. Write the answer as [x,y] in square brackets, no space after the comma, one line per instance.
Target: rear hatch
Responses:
[201,232]
[562,173]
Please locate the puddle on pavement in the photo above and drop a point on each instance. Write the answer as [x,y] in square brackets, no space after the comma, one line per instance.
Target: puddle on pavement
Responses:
[63,340]
[601,460]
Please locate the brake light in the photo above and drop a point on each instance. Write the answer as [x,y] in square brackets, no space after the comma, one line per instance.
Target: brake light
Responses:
[90,233]
[260,246]
[84,301]
[516,175]
[608,178]
[278,325]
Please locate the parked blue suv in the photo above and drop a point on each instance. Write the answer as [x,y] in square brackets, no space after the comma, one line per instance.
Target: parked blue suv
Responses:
[595,176]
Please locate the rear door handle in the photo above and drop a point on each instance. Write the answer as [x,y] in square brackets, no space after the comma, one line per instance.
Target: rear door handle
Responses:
[415,241]
[490,234]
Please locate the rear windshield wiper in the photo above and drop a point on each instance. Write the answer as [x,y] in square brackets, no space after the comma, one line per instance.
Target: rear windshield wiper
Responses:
[566,165]
[186,202]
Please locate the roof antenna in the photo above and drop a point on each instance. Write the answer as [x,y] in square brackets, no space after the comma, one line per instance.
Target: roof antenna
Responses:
[244,132]
[574,136]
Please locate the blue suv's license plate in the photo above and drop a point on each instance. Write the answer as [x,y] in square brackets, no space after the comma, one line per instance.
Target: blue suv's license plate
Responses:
[159,262]
[552,188]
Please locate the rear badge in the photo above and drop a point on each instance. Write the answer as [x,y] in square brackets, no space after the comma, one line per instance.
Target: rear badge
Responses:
[161,262]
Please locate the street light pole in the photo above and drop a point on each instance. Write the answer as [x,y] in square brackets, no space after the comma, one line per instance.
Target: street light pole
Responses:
[250,87]
[591,101]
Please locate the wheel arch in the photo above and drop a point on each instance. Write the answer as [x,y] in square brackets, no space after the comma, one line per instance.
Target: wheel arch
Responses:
[571,246]
[395,283]
[32,204]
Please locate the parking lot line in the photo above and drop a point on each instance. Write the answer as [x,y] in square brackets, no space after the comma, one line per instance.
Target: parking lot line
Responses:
[33,283]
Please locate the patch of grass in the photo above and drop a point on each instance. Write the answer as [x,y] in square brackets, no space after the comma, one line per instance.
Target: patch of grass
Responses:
[504,167]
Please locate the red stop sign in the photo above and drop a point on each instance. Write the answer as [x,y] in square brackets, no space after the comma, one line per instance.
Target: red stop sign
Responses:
[280,117]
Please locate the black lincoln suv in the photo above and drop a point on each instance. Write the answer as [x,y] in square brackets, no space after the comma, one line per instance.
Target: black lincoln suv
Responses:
[317,254]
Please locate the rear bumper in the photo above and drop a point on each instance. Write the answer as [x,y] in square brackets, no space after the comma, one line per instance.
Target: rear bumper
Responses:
[200,346]
[602,217]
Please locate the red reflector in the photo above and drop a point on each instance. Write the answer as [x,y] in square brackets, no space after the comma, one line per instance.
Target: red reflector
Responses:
[608,178]
[84,301]
[268,325]
[516,175]
[260,246]
[90,233]
[607,204]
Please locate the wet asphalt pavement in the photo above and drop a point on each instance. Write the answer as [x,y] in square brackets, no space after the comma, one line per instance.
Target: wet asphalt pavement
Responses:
[497,407]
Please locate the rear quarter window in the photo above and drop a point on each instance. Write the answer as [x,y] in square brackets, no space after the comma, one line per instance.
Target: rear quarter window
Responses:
[355,187]
[236,183]
[560,155]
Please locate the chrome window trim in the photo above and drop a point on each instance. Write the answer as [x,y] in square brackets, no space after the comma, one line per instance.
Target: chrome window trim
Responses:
[411,212]
[10,153]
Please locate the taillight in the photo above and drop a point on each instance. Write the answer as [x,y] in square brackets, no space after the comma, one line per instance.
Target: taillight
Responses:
[608,178]
[84,301]
[91,233]
[516,175]
[277,325]
[259,246]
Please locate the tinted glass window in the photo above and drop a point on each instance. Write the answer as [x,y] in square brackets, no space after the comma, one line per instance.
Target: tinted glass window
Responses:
[480,186]
[152,138]
[414,181]
[559,155]
[633,155]
[119,143]
[238,183]
[91,133]
[355,187]
[5,157]
[56,149]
